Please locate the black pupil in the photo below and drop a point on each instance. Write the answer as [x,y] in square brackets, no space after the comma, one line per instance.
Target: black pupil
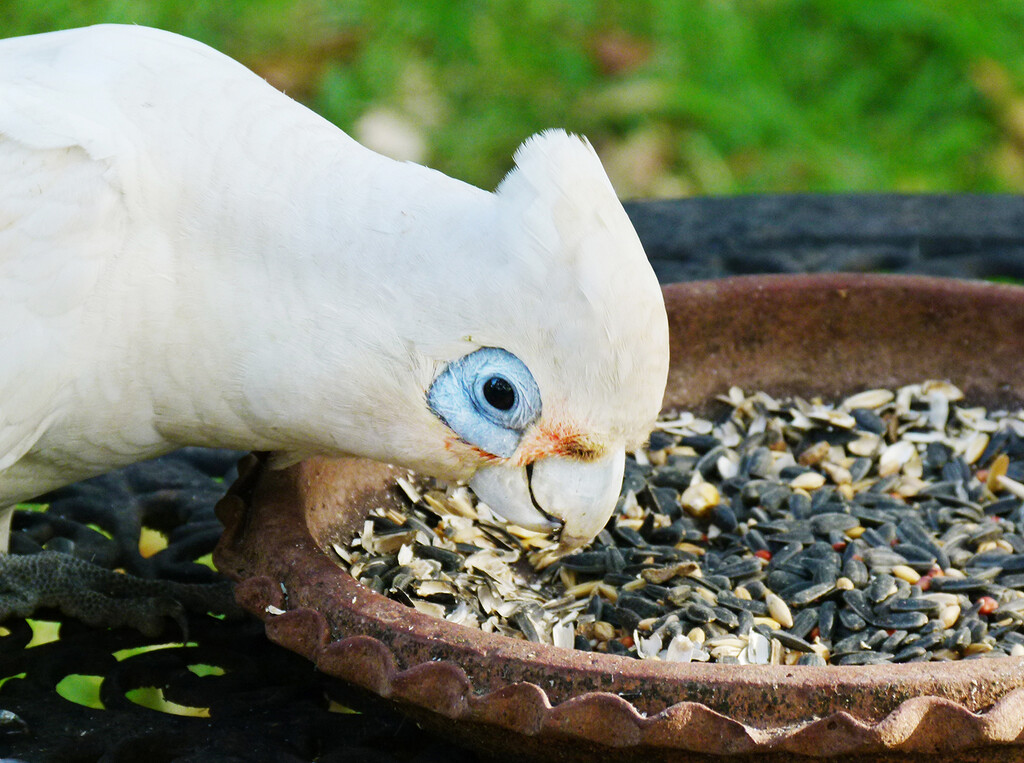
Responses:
[499,393]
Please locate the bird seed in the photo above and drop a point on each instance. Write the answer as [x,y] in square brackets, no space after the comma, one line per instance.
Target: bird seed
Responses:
[885,528]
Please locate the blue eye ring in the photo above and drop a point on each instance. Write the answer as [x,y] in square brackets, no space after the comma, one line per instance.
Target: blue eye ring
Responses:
[488,398]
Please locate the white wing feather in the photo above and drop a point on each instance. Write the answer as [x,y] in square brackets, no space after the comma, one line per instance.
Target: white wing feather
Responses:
[51,256]
[62,220]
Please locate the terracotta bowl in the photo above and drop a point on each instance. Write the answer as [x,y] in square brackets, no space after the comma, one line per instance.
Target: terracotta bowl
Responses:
[828,335]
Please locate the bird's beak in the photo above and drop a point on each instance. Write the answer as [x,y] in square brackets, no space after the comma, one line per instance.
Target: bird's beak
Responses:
[553,492]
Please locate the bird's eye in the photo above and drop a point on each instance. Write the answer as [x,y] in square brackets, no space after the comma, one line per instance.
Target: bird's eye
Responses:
[500,393]
[488,398]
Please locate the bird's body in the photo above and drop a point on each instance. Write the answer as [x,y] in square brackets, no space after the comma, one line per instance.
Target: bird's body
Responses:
[189,257]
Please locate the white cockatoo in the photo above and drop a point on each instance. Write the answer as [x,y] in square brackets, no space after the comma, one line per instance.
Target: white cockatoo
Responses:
[189,257]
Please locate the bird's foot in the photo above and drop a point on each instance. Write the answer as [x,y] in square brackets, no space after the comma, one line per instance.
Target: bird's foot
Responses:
[101,597]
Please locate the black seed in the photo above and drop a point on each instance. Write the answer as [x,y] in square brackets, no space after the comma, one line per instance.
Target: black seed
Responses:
[936,456]
[449,559]
[617,578]
[851,620]
[916,557]
[856,571]
[957,470]
[884,485]
[591,562]
[893,641]
[755,540]
[915,604]
[773,496]
[663,500]
[617,647]
[803,622]
[873,538]
[859,469]
[832,520]
[790,472]
[959,638]
[668,535]
[785,554]
[866,658]
[725,617]
[868,420]
[849,644]
[793,536]
[799,505]
[881,588]
[868,516]
[698,613]
[836,538]
[826,619]
[724,517]
[623,617]
[381,567]
[629,536]
[639,604]
[739,568]
[758,514]
[858,603]
[988,531]
[958,585]
[821,498]
[1002,507]
[1006,562]
[757,589]
[614,560]
[757,463]
[714,583]
[901,620]
[701,443]
[737,604]
[526,626]
[660,440]
[875,639]
[808,593]
[928,641]
[827,571]
[746,622]
[811,659]
[882,559]
[791,641]
[780,580]
[909,653]
[978,629]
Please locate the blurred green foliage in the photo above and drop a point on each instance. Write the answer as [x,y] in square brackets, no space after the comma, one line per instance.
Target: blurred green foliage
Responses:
[679,96]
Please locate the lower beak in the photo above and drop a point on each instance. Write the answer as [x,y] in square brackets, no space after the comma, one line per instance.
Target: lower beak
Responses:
[578,496]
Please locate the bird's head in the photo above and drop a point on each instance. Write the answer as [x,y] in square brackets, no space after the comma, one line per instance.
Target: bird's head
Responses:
[553,355]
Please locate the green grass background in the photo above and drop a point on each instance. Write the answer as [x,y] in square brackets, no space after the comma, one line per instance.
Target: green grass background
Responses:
[681,97]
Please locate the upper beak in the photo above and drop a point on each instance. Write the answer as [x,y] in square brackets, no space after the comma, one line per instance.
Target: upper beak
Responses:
[578,496]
